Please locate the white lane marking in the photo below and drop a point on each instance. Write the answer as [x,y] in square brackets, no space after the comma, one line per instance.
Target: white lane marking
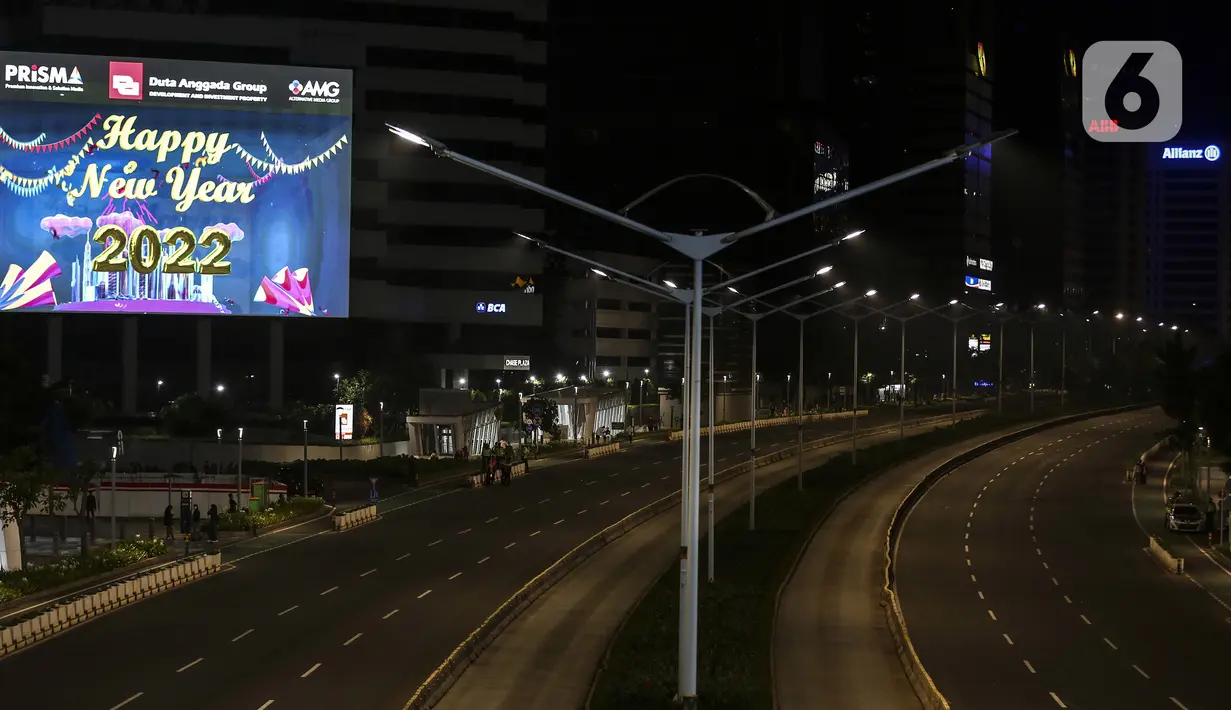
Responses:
[329,591]
[635,468]
[1028,666]
[311,670]
[967,548]
[991,614]
[189,665]
[518,510]
[371,571]
[1083,618]
[1006,638]
[353,639]
[242,635]
[1055,581]
[981,595]
[567,491]
[1040,552]
[492,519]
[613,475]
[972,578]
[266,704]
[1045,566]
[1058,700]
[968,563]
[664,478]
[433,544]
[424,594]
[509,545]
[580,512]
[1109,643]
[967,536]
[287,611]
[625,493]
[463,532]
[544,501]
[591,483]
[646,485]
[455,576]
[561,520]
[402,557]
[386,616]
[658,462]
[485,559]
[1067,600]
[1143,673]
[1178,704]
[125,702]
[536,532]
[605,502]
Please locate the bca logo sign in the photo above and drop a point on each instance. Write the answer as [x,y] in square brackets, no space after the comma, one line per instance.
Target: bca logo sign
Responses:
[1132,92]
[328,89]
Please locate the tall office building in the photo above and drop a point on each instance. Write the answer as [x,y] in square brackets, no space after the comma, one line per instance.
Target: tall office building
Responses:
[430,239]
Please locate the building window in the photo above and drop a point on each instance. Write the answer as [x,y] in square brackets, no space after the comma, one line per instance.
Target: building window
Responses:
[610,333]
[609,304]
[642,362]
[640,306]
[639,334]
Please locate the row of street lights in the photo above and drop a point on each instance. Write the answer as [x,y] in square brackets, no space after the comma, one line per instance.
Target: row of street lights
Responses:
[697,248]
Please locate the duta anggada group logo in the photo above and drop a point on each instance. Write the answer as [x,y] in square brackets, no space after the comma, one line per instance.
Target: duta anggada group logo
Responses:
[174,187]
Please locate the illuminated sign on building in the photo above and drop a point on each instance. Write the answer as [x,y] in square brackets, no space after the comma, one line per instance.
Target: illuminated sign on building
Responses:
[484,307]
[517,363]
[978,283]
[979,263]
[1210,153]
[979,342]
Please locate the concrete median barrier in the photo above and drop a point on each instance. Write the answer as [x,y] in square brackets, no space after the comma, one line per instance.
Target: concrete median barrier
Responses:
[772,421]
[24,629]
[925,688]
[605,450]
[1173,564]
[478,480]
[354,518]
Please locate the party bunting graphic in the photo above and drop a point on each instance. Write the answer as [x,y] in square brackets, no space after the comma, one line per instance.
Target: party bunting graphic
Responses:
[29,187]
[280,167]
[27,288]
[40,145]
[290,291]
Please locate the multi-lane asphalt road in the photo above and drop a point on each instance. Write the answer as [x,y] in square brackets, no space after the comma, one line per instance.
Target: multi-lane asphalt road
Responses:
[355,620]
[1024,584]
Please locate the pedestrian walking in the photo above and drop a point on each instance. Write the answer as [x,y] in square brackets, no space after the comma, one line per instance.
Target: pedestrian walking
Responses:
[168,519]
[196,519]
[214,519]
[232,506]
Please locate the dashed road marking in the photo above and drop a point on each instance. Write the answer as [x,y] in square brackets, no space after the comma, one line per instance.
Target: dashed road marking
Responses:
[1143,673]
[492,519]
[561,520]
[353,639]
[329,591]
[463,532]
[310,671]
[402,557]
[432,544]
[991,614]
[485,559]
[536,532]
[509,545]
[242,635]
[545,500]
[189,665]
[390,614]
[1109,643]
[605,502]
[1083,618]
[424,594]
[1028,666]
[287,611]
[1058,700]
[1006,638]
[1178,704]
[371,571]
[455,576]
[266,704]
[126,701]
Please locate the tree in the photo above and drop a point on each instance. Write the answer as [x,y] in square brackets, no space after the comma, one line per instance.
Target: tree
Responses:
[1177,381]
[542,413]
[359,390]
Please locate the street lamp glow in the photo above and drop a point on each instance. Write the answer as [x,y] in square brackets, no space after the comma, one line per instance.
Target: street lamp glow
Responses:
[840,284]
[670,284]
[871,292]
[1119,316]
[1096,313]
[408,136]
[606,373]
[852,235]
[824,270]
[336,376]
[600,273]
[732,290]
[1160,325]
[999,305]
[1138,319]
[461,380]
[953,302]
[220,388]
[559,377]
[1175,327]
[160,383]
[1042,306]
[914,297]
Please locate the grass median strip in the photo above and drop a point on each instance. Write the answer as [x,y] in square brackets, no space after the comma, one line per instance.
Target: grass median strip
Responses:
[737,610]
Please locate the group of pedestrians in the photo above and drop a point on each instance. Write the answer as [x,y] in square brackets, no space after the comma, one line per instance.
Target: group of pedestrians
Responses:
[496,461]
[213,520]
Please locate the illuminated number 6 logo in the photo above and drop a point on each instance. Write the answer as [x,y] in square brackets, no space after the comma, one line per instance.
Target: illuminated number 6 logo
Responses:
[1132,92]
[145,251]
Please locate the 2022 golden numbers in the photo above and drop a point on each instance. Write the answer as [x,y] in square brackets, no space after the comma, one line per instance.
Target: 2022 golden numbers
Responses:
[143,250]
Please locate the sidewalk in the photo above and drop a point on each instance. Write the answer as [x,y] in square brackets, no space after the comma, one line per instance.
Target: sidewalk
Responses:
[548,656]
[1206,567]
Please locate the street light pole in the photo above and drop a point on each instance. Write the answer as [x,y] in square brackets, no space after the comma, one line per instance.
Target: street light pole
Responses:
[855,394]
[685,497]
[697,248]
[305,458]
[799,412]
[1032,368]
[710,494]
[953,399]
[752,443]
[1063,362]
[902,375]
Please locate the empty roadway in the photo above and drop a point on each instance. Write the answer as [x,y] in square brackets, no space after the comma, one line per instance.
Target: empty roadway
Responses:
[357,619]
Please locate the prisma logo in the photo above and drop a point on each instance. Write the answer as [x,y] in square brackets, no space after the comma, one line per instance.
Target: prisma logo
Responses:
[126,79]
[41,74]
[329,89]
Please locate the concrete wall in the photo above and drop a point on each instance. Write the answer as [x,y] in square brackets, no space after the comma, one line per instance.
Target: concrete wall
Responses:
[162,455]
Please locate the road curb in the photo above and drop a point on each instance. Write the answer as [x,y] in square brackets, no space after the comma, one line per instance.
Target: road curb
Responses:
[925,688]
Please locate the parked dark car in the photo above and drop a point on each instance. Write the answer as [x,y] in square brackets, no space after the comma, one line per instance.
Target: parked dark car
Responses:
[1185,517]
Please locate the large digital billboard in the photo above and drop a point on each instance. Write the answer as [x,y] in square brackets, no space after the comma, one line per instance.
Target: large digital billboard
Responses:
[163,186]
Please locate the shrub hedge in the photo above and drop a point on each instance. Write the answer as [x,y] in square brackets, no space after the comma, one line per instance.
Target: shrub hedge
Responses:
[293,508]
[737,610]
[40,578]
